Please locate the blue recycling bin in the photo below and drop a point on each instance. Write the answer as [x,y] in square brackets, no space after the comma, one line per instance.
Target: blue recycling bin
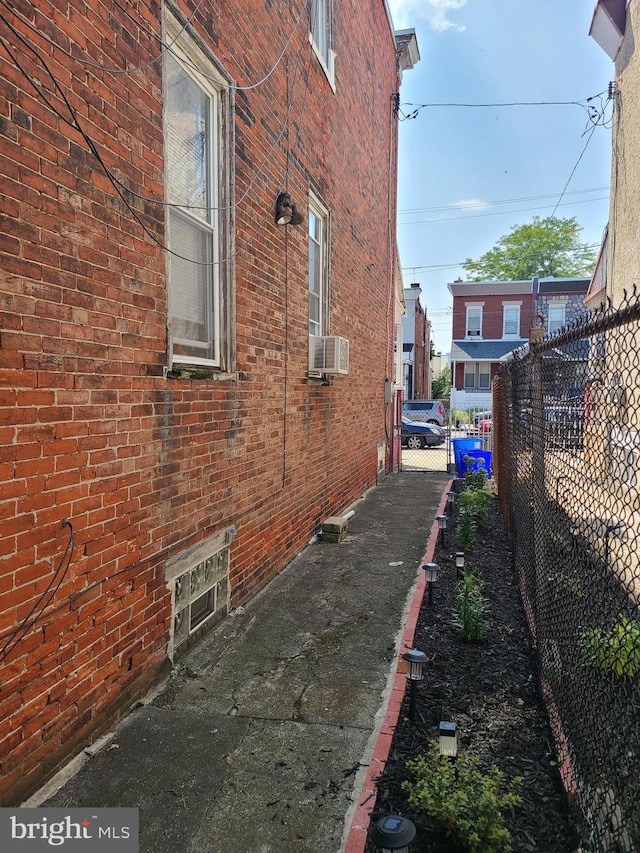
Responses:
[460,447]
[472,460]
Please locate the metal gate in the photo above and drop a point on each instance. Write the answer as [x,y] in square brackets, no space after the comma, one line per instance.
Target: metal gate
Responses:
[419,455]
[418,451]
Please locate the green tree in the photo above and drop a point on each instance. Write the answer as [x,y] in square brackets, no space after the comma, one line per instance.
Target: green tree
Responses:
[543,247]
[441,386]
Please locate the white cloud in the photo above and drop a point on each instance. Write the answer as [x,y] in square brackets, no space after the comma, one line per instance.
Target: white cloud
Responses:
[435,12]
[471,204]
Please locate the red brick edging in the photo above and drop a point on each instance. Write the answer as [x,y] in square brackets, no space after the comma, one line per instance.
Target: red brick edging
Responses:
[357,836]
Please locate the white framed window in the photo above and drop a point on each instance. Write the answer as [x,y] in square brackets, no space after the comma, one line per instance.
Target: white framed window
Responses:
[473,328]
[318,268]
[510,320]
[197,186]
[320,36]
[557,317]
[477,375]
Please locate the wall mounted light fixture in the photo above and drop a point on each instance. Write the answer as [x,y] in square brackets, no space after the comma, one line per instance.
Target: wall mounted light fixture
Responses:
[286,211]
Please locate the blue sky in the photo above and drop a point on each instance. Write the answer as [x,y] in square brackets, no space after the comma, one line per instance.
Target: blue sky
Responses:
[455,161]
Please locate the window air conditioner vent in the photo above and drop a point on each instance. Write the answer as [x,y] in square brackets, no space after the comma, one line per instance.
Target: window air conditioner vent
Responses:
[328,354]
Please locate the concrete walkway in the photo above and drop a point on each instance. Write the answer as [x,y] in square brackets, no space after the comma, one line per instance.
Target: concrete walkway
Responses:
[262,738]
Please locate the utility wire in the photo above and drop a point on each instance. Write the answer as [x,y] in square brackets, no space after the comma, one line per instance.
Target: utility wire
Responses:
[166,47]
[436,267]
[160,201]
[508,212]
[52,587]
[73,121]
[596,120]
[95,65]
[473,204]
[584,103]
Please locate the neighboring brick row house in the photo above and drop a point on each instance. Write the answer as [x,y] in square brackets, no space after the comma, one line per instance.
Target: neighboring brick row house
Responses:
[416,347]
[492,318]
[180,375]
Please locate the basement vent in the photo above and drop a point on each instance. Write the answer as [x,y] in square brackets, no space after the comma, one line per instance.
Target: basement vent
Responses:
[198,595]
[328,354]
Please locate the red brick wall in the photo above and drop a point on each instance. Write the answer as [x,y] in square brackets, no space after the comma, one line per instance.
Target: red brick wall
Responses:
[492,314]
[421,356]
[90,431]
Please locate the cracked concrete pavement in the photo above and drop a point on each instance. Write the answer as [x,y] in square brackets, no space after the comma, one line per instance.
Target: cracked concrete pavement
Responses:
[259,740]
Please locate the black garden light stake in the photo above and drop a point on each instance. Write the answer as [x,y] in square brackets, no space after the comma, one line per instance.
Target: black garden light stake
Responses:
[415,664]
[431,576]
[451,497]
[459,564]
[442,526]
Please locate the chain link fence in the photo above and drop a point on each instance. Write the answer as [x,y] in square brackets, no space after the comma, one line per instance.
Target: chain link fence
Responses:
[566,420]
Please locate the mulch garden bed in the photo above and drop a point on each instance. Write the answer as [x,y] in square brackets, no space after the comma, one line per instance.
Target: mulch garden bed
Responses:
[490,690]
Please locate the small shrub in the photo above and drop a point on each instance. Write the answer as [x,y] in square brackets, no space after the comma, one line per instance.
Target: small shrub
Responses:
[470,607]
[468,803]
[616,651]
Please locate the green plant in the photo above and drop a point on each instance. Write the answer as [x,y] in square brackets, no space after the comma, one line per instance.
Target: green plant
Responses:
[565,583]
[474,480]
[616,651]
[470,607]
[467,802]
[558,545]
[477,500]
[466,526]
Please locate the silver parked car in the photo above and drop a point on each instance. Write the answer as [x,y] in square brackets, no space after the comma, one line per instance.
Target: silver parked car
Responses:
[428,411]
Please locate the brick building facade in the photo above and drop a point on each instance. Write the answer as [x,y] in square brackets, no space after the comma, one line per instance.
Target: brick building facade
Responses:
[165,447]
[416,349]
[493,318]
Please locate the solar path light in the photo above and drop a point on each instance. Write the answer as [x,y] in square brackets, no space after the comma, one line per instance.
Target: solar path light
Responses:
[448,739]
[393,832]
[415,660]
[442,527]
[431,576]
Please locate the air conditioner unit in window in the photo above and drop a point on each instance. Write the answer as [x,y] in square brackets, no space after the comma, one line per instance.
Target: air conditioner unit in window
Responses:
[328,354]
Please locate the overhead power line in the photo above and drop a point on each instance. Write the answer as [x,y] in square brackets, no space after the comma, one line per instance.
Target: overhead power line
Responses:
[438,267]
[472,204]
[505,212]
[584,103]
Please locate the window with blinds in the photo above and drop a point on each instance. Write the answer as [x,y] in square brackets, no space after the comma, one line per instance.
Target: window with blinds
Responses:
[191,121]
